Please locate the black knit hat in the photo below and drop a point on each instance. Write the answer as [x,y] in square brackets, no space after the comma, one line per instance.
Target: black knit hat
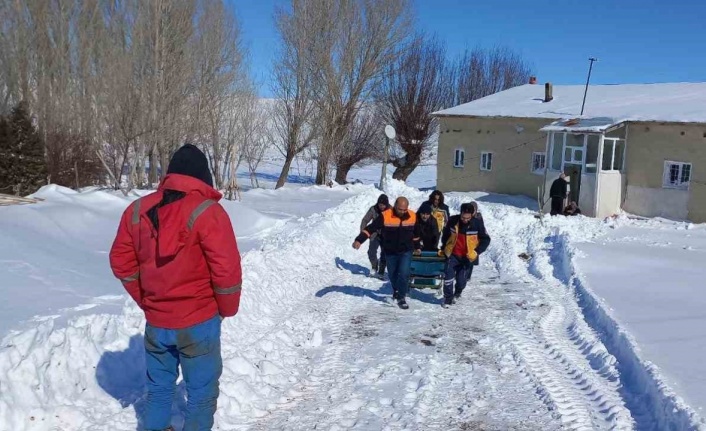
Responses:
[467,208]
[189,160]
[425,208]
[382,199]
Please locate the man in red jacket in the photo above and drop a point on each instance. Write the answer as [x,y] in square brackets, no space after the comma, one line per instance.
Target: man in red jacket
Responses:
[176,254]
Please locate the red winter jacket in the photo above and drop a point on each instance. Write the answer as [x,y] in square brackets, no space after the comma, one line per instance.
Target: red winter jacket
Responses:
[188,270]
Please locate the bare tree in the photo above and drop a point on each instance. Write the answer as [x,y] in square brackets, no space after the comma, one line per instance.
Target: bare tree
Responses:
[362,142]
[292,85]
[351,42]
[420,82]
[257,138]
[130,80]
[482,72]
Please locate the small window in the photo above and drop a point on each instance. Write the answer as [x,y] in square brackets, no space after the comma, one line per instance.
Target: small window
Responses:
[458,158]
[539,162]
[486,161]
[613,154]
[677,175]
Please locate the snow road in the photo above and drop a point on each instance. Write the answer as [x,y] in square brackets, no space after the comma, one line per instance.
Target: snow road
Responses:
[318,344]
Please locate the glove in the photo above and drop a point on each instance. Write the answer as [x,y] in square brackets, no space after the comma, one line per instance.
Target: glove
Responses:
[441,253]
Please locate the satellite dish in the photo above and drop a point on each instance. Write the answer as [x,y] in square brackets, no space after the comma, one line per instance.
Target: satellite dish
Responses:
[390,132]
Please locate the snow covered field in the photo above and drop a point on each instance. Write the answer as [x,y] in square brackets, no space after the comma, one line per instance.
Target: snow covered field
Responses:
[318,344]
[650,278]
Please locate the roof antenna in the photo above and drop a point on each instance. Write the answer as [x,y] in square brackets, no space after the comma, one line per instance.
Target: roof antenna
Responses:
[587,81]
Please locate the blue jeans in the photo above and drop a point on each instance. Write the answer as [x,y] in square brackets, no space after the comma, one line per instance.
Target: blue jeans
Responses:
[198,350]
[458,269]
[398,267]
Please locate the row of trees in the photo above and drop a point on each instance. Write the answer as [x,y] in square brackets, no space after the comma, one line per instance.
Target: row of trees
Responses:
[115,87]
[122,84]
[347,67]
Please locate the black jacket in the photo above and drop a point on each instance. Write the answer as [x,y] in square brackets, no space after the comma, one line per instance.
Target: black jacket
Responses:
[473,227]
[398,234]
[558,189]
[428,235]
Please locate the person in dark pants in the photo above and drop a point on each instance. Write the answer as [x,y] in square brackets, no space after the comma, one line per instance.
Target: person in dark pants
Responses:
[399,233]
[378,266]
[557,193]
[429,233]
[464,239]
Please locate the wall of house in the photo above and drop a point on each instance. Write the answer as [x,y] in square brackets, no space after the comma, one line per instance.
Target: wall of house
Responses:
[653,202]
[511,169]
[587,195]
[649,145]
[610,186]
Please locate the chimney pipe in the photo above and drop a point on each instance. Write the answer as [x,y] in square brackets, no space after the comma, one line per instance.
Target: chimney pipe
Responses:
[533,80]
[548,92]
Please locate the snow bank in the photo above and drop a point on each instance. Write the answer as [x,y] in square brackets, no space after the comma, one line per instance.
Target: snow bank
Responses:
[552,249]
[84,375]
[54,254]
[654,404]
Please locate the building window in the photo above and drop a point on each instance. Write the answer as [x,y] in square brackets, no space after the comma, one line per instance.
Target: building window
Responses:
[676,175]
[613,151]
[539,162]
[458,158]
[592,146]
[557,143]
[486,161]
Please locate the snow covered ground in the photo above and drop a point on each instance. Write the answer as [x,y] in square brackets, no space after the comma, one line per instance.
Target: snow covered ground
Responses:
[318,344]
[649,277]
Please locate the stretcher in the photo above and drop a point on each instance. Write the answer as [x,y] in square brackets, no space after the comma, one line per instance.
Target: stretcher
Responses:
[427,270]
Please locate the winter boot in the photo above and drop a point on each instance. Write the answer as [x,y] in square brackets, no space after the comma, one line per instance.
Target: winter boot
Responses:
[402,303]
[374,268]
[447,302]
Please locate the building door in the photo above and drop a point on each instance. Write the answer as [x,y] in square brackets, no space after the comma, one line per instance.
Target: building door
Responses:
[573,171]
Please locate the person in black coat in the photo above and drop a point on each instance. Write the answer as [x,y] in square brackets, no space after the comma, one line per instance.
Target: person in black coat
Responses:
[378,266]
[428,230]
[439,210]
[557,193]
[464,239]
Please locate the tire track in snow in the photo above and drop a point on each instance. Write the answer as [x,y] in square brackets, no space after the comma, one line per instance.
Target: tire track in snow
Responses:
[653,404]
[555,348]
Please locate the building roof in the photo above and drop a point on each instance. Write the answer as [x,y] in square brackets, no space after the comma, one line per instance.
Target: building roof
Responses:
[582,125]
[670,102]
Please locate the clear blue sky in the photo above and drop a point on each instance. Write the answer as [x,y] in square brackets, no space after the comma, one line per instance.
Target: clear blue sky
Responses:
[636,41]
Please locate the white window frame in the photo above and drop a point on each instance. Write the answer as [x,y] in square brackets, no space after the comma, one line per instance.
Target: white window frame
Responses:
[484,161]
[551,148]
[539,171]
[666,182]
[613,141]
[459,161]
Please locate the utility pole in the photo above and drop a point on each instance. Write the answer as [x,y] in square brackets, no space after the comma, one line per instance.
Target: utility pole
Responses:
[389,134]
[590,67]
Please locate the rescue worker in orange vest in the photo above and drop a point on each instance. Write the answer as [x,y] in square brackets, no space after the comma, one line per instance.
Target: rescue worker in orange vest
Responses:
[399,232]
[464,239]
